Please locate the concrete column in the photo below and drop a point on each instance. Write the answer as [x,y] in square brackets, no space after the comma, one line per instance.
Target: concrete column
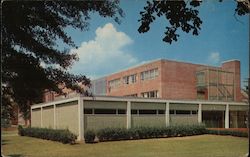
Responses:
[167,115]
[41,117]
[227,117]
[54,116]
[200,114]
[128,114]
[80,120]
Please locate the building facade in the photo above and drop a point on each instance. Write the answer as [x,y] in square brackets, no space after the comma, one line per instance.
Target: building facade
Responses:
[169,80]
[79,114]
[174,80]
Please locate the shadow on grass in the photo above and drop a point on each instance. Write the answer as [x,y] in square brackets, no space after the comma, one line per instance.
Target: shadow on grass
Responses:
[4,142]
[15,155]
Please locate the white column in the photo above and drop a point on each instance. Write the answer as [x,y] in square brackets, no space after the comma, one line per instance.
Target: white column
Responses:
[227,117]
[128,114]
[80,120]
[41,117]
[167,116]
[54,116]
[200,114]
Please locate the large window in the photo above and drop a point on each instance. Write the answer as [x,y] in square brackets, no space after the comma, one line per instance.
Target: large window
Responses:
[129,79]
[114,84]
[150,94]
[150,74]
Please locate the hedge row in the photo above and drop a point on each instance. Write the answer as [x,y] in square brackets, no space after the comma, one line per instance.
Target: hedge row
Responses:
[64,136]
[227,132]
[114,134]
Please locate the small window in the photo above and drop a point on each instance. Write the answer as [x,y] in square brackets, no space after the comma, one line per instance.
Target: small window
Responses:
[171,111]
[88,111]
[133,111]
[161,111]
[182,112]
[105,111]
[120,111]
[194,112]
[147,111]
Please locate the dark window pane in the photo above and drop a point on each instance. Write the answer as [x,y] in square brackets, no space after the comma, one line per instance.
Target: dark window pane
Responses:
[182,112]
[171,111]
[133,111]
[121,111]
[147,111]
[194,112]
[161,112]
[87,111]
[105,111]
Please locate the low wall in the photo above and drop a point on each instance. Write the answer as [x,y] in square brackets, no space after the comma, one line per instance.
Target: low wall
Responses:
[96,122]
[148,120]
[67,116]
[183,119]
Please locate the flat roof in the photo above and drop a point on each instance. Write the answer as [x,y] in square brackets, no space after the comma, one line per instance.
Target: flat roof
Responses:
[137,99]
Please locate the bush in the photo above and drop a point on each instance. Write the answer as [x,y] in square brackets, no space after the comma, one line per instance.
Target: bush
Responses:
[111,134]
[89,136]
[20,130]
[227,132]
[60,135]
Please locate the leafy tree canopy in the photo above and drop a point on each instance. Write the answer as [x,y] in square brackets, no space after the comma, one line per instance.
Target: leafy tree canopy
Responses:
[31,59]
[182,15]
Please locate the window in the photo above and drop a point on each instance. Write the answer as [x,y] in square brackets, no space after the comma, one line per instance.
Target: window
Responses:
[194,112]
[134,112]
[161,111]
[131,95]
[120,111]
[129,79]
[147,111]
[150,74]
[182,112]
[105,111]
[171,111]
[88,111]
[114,84]
[150,94]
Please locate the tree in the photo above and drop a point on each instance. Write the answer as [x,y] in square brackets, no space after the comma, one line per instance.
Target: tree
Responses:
[31,58]
[182,15]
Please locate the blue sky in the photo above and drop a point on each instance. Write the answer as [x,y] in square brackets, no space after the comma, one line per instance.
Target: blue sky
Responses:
[108,47]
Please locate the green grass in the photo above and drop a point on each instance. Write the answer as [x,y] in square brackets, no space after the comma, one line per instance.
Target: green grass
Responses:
[193,146]
[14,132]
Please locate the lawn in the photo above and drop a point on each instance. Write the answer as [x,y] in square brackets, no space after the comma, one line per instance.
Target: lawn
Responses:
[193,146]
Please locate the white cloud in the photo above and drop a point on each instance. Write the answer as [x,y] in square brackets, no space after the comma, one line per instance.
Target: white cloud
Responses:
[214,58]
[104,54]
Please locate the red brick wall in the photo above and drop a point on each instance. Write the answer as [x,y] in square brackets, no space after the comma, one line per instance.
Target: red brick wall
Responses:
[140,85]
[179,80]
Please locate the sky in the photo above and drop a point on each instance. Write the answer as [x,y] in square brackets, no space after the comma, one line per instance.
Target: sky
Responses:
[108,47]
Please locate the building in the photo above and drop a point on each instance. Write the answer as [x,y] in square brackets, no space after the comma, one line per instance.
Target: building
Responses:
[174,80]
[169,80]
[158,93]
[79,114]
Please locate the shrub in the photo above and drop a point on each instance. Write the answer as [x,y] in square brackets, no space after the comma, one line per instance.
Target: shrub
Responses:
[60,135]
[227,132]
[89,136]
[20,130]
[111,134]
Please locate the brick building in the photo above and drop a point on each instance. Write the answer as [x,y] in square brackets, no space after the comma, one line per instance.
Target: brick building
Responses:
[174,80]
[169,79]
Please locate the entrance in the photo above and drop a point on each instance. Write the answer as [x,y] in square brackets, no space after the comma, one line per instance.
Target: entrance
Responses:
[213,119]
